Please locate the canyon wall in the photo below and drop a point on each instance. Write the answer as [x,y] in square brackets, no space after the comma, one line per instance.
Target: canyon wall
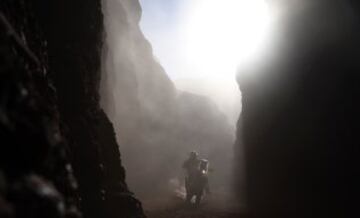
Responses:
[156,125]
[297,125]
[59,156]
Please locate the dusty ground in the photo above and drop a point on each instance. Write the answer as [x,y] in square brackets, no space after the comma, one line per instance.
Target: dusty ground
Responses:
[173,206]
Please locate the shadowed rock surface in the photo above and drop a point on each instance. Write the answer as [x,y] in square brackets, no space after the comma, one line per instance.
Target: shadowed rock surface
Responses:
[298,119]
[50,118]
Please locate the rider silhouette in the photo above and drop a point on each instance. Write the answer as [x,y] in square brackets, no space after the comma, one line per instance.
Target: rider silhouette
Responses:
[192,164]
[196,177]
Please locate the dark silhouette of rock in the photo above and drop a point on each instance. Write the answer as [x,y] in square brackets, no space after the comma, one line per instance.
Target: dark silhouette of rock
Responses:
[298,123]
[50,118]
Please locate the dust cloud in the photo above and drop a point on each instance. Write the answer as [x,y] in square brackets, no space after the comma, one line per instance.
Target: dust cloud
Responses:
[156,124]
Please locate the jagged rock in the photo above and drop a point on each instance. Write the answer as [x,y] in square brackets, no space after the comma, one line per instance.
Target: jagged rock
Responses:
[29,124]
[57,130]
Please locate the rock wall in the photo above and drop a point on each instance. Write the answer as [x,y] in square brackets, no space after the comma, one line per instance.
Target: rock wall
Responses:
[156,125]
[298,119]
[36,178]
[51,120]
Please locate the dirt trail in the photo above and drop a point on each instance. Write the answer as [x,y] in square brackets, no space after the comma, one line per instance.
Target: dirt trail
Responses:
[213,206]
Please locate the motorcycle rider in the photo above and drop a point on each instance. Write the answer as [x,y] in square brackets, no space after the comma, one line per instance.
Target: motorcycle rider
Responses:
[191,166]
[196,179]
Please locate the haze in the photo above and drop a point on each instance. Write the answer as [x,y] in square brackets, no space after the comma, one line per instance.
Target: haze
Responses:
[187,97]
[202,43]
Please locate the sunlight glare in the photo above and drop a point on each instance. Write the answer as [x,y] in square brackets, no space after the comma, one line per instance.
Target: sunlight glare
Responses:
[221,35]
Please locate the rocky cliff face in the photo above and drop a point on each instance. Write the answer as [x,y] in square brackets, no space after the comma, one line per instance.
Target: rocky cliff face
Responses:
[156,125]
[297,124]
[51,121]
[36,178]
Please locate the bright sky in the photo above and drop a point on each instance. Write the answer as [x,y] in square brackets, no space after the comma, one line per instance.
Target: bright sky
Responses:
[202,43]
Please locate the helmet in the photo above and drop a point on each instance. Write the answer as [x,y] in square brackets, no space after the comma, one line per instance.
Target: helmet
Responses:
[194,154]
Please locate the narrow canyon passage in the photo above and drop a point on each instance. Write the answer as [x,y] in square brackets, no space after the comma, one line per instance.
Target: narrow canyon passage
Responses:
[160,115]
[123,108]
[172,76]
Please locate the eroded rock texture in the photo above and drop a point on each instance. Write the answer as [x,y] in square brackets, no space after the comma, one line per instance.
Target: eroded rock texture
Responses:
[298,124]
[46,125]
[36,177]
